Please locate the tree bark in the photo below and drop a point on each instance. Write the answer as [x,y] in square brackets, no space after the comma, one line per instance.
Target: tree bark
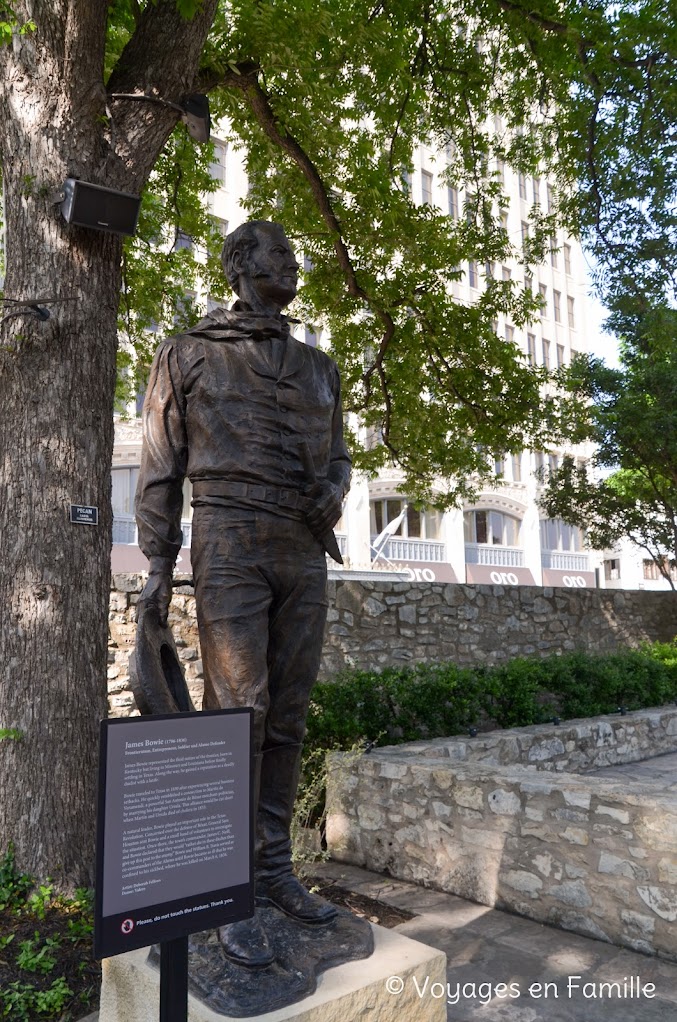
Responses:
[57,381]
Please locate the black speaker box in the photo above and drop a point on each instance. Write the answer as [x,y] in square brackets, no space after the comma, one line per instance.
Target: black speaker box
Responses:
[99,208]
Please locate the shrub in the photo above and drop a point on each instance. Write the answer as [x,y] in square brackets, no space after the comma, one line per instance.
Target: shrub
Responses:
[434,700]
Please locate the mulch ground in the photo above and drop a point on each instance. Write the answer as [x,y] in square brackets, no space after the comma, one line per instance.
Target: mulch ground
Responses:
[75,963]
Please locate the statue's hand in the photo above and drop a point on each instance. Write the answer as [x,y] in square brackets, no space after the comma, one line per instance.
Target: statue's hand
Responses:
[157,592]
[326,506]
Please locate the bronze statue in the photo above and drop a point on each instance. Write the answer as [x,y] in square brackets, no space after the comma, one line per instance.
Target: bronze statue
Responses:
[253,417]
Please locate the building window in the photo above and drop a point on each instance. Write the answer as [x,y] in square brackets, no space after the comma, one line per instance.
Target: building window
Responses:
[531,348]
[427,187]
[551,198]
[553,253]
[557,305]
[415,524]
[521,178]
[560,356]
[494,528]
[558,535]
[473,277]
[506,272]
[525,232]
[510,334]
[546,353]
[489,270]
[539,462]
[217,168]
[500,169]
[123,489]
[221,225]
[183,240]
[406,181]
[612,569]
[537,191]
[499,466]
[567,260]
[517,468]
[543,292]
[553,462]
[311,337]
[653,573]
[139,399]
[570,311]
[452,202]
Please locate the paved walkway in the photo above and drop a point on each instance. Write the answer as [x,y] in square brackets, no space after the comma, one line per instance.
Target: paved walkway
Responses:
[558,975]
[549,967]
[487,947]
[661,769]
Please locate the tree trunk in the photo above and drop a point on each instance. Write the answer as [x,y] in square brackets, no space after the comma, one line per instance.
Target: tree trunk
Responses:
[56,438]
[57,381]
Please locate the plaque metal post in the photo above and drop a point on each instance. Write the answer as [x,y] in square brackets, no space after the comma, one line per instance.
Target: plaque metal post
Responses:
[174,980]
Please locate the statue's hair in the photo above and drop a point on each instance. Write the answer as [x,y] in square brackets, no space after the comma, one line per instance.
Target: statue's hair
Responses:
[243,239]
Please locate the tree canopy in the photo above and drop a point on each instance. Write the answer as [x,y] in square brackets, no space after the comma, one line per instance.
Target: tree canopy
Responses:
[630,414]
[329,102]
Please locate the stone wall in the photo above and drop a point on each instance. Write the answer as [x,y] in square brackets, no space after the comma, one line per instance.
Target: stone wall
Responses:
[586,853]
[575,746]
[381,623]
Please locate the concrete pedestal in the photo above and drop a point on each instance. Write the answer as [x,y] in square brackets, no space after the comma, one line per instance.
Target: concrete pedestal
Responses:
[130,990]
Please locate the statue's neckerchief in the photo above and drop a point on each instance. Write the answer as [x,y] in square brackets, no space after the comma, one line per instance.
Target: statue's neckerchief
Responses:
[241,323]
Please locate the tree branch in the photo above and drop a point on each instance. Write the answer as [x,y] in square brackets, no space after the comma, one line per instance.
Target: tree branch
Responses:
[162,59]
[246,79]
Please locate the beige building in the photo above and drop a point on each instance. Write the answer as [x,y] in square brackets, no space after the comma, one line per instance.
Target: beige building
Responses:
[502,537]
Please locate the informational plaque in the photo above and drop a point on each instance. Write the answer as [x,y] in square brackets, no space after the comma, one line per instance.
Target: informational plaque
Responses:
[175,827]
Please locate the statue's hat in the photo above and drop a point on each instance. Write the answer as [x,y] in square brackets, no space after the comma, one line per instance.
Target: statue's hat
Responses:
[155,671]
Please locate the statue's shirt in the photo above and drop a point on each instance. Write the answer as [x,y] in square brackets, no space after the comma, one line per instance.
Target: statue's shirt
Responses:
[232,400]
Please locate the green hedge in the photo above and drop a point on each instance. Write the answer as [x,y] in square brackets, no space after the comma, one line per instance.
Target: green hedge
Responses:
[434,700]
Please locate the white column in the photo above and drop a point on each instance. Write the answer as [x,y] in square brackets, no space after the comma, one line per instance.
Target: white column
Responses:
[356,523]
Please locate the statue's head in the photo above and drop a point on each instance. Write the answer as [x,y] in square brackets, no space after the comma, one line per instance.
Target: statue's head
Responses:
[259,264]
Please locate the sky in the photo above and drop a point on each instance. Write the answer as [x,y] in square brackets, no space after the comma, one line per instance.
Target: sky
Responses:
[602,344]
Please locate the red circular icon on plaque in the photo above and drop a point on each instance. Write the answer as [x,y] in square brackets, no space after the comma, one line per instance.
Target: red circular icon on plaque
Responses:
[127,925]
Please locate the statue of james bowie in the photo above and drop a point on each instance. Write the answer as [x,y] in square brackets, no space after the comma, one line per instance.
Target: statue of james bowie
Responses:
[253,418]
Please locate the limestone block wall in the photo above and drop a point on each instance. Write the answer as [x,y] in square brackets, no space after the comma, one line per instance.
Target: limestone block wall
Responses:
[586,853]
[381,623]
[575,746]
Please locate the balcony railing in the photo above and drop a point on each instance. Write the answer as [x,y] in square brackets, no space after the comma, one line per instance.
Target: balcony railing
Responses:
[125,531]
[565,561]
[487,553]
[397,549]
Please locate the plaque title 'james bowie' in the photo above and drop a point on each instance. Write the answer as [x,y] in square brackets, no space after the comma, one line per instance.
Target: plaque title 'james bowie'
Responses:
[242,408]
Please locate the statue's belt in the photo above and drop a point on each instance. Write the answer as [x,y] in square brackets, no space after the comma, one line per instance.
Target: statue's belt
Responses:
[282,496]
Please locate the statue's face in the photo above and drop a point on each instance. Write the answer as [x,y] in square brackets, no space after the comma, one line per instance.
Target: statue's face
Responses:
[272,267]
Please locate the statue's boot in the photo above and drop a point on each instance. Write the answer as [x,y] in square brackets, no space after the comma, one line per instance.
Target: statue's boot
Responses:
[244,941]
[275,881]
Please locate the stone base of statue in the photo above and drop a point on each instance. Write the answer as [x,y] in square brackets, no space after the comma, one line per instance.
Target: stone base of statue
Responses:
[304,984]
